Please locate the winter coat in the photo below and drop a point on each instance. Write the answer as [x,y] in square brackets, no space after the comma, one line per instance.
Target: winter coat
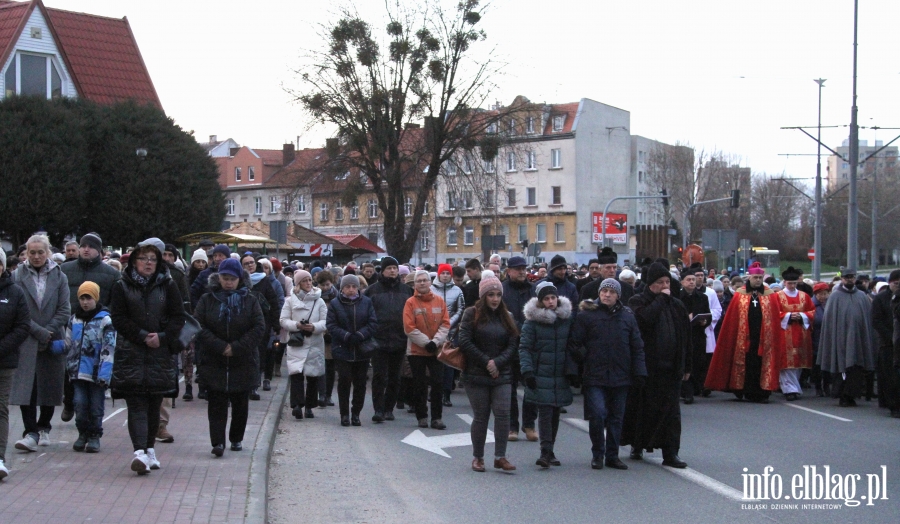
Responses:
[79,271]
[607,341]
[49,317]
[348,317]
[138,310]
[542,352]
[389,298]
[883,318]
[453,299]
[480,344]
[278,286]
[515,296]
[666,332]
[564,287]
[198,286]
[178,276]
[817,324]
[15,321]
[243,329]
[470,292]
[91,348]
[261,286]
[425,320]
[301,306]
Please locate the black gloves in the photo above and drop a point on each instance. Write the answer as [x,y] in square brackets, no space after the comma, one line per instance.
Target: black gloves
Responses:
[574,380]
[431,347]
[530,381]
[639,381]
[355,338]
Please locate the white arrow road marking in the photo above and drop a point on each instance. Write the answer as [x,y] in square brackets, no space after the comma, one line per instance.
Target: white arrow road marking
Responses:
[437,443]
[687,473]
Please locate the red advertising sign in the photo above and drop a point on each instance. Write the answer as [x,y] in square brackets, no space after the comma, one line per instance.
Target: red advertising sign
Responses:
[616,227]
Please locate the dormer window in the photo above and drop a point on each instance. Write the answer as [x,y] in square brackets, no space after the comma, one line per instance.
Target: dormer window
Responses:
[33,75]
[558,123]
[529,125]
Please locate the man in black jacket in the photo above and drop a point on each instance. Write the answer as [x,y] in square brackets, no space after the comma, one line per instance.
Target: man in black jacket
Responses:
[389,296]
[696,303]
[470,290]
[609,263]
[517,291]
[883,321]
[15,324]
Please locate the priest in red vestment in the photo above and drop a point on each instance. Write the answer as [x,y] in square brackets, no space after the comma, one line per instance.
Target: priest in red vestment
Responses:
[797,315]
[749,351]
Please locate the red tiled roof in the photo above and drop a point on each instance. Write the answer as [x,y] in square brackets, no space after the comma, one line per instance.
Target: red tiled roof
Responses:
[270,157]
[301,168]
[569,110]
[358,241]
[100,53]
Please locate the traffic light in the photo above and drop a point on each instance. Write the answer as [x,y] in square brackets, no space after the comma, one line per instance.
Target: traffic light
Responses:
[735,198]
[665,197]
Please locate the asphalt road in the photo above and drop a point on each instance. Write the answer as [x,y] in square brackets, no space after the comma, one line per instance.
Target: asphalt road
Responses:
[322,472]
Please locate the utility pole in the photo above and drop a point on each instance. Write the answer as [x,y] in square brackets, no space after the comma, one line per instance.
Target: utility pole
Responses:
[817,231]
[852,205]
[874,252]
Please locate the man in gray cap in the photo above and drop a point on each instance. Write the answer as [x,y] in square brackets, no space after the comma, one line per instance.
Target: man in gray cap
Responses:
[88,267]
[517,291]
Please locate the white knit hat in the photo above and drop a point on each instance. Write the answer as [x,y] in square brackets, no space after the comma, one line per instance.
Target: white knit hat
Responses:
[200,254]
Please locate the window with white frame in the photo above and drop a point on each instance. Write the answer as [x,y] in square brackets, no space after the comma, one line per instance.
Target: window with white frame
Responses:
[469,237]
[467,200]
[558,123]
[492,128]
[251,173]
[354,211]
[229,207]
[511,197]
[423,240]
[560,232]
[451,201]
[237,174]
[523,232]
[257,205]
[510,161]
[373,208]
[489,201]
[408,207]
[557,195]
[488,166]
[511,127]
[323,212]
[541,233]
[529,125]
[531,161]
[373,237]
[425,209]
[555,159]
[338,210]
[451,236]
[34,75]
[504,230]
[301,203]
[531,196]
[273,204]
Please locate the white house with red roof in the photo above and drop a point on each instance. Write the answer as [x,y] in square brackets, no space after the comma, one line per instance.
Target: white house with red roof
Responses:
[55,53]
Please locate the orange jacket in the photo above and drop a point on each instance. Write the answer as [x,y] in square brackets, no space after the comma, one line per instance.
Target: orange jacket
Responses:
[425,320]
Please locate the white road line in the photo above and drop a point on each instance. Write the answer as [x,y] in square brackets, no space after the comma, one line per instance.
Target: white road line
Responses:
[465,418]
[113,414]
[819,413]
[687,473]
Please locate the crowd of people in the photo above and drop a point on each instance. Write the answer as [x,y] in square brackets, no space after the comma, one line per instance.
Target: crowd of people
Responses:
[83,325]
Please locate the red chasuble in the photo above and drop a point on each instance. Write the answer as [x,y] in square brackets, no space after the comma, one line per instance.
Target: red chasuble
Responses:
[798,351]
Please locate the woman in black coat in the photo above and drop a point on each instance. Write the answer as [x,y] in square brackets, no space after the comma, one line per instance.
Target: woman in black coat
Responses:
[148,315]
[271,309]
[233,326]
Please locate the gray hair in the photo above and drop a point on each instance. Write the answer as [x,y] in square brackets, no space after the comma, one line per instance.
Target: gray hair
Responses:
[40,239]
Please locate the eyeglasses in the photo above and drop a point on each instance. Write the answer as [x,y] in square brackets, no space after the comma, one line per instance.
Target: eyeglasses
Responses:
[249,263]
[146,260]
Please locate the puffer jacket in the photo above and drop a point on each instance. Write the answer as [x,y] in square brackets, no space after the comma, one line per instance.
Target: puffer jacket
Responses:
[309,358]
[515,296]
[348,317]
[243,328]
[92,347]
[488,341]
[388,299]
[15,321]
[453,299]
[543,354]
[425,320]
[138,310]
[80,271]
[608,342]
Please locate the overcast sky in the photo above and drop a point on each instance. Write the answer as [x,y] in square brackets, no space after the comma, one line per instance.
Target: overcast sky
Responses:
[717,74]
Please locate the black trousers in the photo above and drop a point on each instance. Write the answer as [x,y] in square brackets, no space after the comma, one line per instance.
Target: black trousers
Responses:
[143,419]
[435,378]
[386,379]
[298,397]
[529,409]
[351,374]
[849,385]
[217,413]
[268,359]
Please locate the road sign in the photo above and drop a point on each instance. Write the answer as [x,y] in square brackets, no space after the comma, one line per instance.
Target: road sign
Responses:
[811,254]
[616,227]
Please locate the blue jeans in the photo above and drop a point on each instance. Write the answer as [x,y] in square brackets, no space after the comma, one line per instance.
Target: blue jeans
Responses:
[89,403]
[606,408]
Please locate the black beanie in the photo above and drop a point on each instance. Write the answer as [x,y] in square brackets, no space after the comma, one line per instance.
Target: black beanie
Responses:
[655,272]
[389,261]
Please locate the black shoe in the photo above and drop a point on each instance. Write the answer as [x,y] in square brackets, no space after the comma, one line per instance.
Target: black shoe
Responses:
[400,405]
[345,421]
[201,394]
[438,424]
[543,461]
[218,450]
[615,463]
[790,397]
[847,402]
[674,462]
[188,392]
[309,413]
[553,460]
[321,402]
[637,454]
[706,393]
[563,410]
[819,391]
[254,394]
[93,445]
[446,401]
[389,415]
[410,410]
[236,446]
[67,414]
[297,413]
[81,442]
[354,420]
[378,417]
[267,386]
[597,463]
[329,402]
[423,422]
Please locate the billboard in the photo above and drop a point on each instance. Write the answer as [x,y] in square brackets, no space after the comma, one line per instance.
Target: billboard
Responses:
[616,227]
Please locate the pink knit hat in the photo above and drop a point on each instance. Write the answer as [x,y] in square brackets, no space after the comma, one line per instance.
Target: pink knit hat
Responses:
[489,284]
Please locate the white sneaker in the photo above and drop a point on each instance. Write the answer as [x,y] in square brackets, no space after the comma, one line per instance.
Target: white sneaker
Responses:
[151,458]
[140,463]
[3,471]
[44,438]
[27,444]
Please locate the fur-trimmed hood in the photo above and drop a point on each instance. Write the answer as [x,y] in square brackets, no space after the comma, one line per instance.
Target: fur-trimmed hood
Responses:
[541,315]
[591,305]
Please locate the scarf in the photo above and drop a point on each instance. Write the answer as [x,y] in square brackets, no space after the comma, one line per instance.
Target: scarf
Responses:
[138,279]
[230,303]
[86,316]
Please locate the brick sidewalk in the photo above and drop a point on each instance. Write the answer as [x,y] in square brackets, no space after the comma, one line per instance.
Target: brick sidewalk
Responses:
[57,484]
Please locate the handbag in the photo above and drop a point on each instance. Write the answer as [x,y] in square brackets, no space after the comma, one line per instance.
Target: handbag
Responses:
[189,331]
[452,356]
[298,338]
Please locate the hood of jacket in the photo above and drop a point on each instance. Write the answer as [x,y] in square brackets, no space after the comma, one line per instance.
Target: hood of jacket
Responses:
[548,316]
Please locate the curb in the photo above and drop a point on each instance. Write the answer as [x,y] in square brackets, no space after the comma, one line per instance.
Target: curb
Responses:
[258,489]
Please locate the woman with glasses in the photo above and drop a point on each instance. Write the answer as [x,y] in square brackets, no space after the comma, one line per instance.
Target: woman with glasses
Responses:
[261,287]
[148,315]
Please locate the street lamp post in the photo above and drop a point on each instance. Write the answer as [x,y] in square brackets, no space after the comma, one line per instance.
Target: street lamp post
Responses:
[853,206]
[874,252]
[817,233]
